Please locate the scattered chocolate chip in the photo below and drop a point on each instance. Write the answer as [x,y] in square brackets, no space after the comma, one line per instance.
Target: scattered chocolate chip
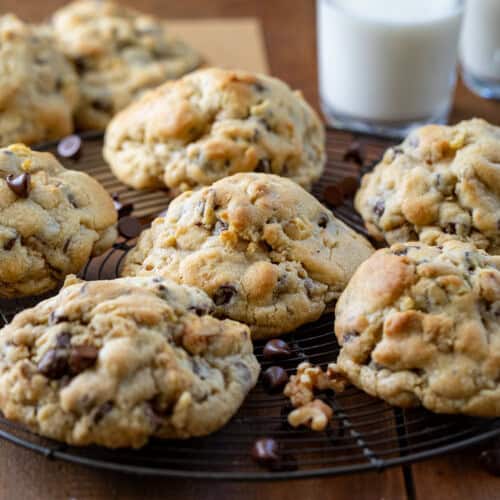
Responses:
[54,363]
[82,357]
[333,195]
[400,251]
[379,208]
[72,200]
[224,295]
[398,150]
[264,165]
[323,220]
[154,413]
[265,451]
[276,349]
[70,147]
[274,379]
[354,153]
[349,185]
[200,311]
[80,65]
[9,244]
[123,209]
[102,411]
[58,85]
[129,227]
[66,245]
[19,184]
[490,460]
[309,286]
[63,340]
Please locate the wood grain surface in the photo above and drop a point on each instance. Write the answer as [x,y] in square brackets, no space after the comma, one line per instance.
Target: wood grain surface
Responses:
[289,35]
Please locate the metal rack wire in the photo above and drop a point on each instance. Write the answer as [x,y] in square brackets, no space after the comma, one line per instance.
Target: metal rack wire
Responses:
[365,433]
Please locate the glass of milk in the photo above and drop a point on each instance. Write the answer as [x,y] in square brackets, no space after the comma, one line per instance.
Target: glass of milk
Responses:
[480,47]
[386,66]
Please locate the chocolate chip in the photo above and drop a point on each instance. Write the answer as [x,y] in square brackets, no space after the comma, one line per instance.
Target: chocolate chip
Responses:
[123,209]
[265,451]
[323,220]
[354,154]
[154,413]
[55,318]
[264,165]
[200,311]
[276,349]
[63,340]
[224,295]
[102,105]
[349,185]
[259,87]
[450,228]
[82,357]
[80,65]
[70,147]
[400,251]
[66,245]
[129,227]
[490,460]
[220,226]
[72,200]
[54,363]
[9,244]
[102,411]
[19,184]
[274,379]
[349,336]
[379,208]
[333,195]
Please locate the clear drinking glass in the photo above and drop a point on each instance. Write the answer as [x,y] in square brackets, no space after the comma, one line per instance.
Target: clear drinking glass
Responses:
[480,47]
[386,66]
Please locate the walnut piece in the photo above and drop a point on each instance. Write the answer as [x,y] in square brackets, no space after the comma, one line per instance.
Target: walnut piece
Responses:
[300,388]
[314,415]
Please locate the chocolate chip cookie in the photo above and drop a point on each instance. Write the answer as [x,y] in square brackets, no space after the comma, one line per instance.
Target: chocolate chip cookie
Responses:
[264,249]
[38,86]
[116,362]
[420,325]
[51,221]
[118,53]
[441,183]
[214,123]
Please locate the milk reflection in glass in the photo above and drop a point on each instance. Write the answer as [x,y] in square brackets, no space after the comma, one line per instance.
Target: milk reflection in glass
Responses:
[386,65]
[480,47]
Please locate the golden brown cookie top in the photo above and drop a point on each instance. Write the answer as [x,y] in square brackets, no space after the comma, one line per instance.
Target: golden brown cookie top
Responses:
[214,123]
[440,183]
[419,325]
[116,362]
[51,221]
[38,86]
[266,251]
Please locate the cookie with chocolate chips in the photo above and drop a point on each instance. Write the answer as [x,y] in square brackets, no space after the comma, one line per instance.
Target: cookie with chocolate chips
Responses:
[441,183]
[51,221]
[38,86]
[118,53]
[420,325]
[116,362]
[264,249]
[214,123]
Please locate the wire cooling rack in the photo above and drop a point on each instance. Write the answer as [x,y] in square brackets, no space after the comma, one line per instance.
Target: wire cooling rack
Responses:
[365,433]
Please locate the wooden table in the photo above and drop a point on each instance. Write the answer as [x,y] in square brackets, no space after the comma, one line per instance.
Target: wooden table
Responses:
[289,28]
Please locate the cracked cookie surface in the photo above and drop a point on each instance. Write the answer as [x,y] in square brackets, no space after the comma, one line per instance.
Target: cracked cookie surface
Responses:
[420,325]
[118,53]
[214,123]
[38,86]
[264,249]
[116,362]
[441,183]
[51,221]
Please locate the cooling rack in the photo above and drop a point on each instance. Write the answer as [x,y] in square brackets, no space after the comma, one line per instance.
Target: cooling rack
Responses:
[365,433]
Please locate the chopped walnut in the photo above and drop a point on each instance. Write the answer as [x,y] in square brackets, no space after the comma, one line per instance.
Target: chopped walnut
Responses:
[300,388]
[314,415]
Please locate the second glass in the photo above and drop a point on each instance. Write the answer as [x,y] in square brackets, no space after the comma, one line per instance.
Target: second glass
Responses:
[386,65]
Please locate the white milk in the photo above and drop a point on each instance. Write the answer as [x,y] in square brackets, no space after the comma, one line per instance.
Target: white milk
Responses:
[480,47]
[387,60]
